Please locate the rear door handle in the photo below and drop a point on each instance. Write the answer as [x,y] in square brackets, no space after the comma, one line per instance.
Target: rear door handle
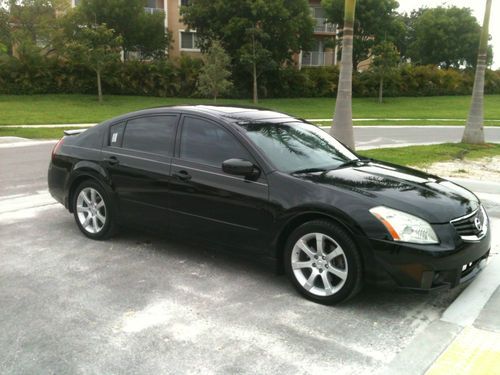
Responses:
[182,175]
[112,160]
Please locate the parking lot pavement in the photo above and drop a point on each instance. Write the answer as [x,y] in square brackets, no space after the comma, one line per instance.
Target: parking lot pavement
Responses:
[140,303]
[145,304]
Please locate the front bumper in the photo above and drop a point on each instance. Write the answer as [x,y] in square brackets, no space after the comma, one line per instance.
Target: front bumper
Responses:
[422,267]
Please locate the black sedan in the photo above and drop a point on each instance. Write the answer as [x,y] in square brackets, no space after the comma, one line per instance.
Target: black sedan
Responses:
[277,189]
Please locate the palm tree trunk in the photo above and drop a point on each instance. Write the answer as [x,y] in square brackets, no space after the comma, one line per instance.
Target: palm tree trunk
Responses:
[381,90]
[342,122]
[99,85]
[255,92]
[474,130]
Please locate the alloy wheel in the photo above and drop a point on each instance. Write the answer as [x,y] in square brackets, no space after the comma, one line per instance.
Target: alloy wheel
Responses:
[91,210]
[319,264]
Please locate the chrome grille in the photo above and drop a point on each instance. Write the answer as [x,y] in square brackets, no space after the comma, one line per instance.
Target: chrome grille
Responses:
[472,227]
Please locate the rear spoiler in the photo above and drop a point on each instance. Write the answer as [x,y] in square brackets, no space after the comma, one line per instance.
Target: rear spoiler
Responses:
[74,132]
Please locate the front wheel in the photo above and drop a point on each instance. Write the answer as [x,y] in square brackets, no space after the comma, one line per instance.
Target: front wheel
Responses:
[323,262]
[93,211]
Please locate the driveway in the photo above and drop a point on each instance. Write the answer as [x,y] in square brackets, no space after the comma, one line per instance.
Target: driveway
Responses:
[146,304]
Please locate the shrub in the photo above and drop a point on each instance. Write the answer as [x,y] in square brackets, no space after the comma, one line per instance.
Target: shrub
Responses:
[179,77]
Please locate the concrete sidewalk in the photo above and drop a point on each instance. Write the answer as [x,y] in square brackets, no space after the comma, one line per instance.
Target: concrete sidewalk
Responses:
[466,339]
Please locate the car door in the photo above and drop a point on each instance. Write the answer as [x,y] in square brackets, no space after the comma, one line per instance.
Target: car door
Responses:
[227,209]
[138,156]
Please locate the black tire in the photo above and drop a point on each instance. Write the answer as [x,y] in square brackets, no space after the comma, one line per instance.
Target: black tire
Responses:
[349,263]
[106,229]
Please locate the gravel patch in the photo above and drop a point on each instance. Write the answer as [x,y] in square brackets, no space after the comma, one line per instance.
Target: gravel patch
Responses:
[486,169]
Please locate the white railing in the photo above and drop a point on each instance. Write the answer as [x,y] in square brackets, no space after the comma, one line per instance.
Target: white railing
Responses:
[323,26]
[317,58]
[152,10]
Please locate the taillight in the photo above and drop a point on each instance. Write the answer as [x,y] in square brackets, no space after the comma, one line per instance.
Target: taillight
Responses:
[56,148]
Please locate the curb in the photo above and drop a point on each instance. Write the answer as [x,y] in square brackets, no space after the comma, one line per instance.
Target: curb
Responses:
[447,343]
[424,350]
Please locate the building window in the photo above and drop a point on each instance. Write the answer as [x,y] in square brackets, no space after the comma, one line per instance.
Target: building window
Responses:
[183,3]
[188,40]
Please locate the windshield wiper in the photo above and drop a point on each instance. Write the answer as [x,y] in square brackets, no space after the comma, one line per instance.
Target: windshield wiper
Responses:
[353,162]
[310,170]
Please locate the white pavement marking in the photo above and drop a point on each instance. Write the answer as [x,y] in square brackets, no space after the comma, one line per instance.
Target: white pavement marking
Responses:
[16,203]
[466,308]
[19,207]
[24,214]
[26,143]
[50,126]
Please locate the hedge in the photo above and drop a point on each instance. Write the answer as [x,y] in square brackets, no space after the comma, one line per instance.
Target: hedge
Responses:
[178,78]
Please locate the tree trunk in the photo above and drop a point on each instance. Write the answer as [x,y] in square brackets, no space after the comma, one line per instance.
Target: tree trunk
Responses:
[255,93]
[381,90]
[99,86]
[474,130]
[342,122]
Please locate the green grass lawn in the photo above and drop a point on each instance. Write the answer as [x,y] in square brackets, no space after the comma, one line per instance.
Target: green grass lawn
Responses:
[61,109]
[420,156]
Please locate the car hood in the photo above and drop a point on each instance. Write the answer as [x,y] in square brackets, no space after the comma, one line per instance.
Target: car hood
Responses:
[429,197]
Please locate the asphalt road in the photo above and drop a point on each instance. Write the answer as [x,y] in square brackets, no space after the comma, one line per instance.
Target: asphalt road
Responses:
[145,304]
[394,136]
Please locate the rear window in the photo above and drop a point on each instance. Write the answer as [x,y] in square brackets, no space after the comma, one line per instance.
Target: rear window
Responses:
[152,134]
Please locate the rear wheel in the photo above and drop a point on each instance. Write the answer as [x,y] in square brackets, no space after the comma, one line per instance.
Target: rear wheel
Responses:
[93,210]
[323,263]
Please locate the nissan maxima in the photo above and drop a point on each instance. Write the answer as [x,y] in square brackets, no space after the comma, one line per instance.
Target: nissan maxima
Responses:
[275,188]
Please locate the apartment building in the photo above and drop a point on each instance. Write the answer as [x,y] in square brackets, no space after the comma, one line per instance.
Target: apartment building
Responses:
[184,40]
[324,51]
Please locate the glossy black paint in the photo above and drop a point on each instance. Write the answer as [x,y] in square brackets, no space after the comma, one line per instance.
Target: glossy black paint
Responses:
[254,214]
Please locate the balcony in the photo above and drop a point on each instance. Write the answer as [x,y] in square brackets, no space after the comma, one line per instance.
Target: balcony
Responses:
[153,10]
[323,26]
[317,58]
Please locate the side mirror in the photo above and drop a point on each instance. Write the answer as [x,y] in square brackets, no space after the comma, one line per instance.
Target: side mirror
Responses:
[240,167]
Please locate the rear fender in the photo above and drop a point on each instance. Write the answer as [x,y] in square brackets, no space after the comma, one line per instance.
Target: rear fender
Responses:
[86,169]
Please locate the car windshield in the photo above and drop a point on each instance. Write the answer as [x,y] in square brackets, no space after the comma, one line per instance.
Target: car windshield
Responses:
[298,146]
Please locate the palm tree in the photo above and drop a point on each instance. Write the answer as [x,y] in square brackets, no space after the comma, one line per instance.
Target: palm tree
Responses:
[342,121]
[474,130]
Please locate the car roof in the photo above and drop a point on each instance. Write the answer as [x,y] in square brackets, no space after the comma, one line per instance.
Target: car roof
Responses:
[234,114]
[240,114]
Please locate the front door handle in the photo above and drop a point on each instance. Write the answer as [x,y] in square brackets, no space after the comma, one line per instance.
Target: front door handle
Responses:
[182,175]
[112,160]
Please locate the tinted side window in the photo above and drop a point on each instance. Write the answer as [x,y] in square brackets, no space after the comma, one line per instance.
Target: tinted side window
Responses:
[116,134]
[207,143]
[153,134]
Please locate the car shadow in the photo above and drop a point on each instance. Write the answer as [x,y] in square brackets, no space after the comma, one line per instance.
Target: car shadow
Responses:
[196,251]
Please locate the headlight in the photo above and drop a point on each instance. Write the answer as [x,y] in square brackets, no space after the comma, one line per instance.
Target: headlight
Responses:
[405,227]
